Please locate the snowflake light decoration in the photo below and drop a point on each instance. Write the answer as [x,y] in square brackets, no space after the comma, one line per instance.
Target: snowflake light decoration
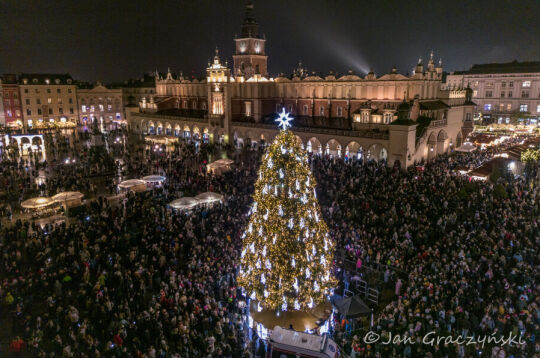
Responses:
[284,120]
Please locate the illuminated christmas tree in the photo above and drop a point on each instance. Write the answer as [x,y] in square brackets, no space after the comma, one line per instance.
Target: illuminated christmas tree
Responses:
[287,253]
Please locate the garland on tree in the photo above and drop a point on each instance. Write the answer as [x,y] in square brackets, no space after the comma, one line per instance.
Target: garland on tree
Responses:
[287,253]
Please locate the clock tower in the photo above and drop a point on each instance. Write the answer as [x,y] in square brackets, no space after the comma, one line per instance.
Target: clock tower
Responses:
[250,58]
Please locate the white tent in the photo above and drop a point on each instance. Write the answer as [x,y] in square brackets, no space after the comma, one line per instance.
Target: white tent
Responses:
[219,166]
[135,185]
[37,203]
[185,203]
[466,147]
[209,197]
[153,179]
[68,198]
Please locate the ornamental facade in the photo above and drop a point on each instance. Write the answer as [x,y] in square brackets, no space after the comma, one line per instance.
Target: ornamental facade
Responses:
[393,117]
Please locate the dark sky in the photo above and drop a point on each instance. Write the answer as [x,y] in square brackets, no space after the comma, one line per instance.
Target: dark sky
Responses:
[113,40]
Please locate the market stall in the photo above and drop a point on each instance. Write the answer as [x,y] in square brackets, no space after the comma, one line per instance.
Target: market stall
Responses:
[209,198]
[39,206]
[220,166]
[153,180]
[68,198]
[185,203]
[135,185]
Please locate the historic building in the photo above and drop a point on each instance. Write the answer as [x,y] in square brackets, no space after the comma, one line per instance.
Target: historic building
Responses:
[101,104]
[47,100]
[403,119]
[503,92]
[11,99]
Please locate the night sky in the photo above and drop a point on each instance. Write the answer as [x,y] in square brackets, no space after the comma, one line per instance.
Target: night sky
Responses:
[114,40]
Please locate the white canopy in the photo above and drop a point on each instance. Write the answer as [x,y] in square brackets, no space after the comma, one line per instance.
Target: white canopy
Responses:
[67,196]
[135,185]
[37,203]
[466,147]
[184,203]
[126,184]
[219,166]
[223,161]
[209,197]
[154,178]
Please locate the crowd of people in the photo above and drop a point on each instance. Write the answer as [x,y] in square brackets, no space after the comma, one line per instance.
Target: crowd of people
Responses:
[138,279]
[470,252]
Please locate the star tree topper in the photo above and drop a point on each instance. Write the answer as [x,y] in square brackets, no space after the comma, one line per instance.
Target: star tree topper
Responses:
[284,120]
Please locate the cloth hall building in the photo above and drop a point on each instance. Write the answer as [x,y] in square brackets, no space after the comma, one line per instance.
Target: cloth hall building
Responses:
[397,118]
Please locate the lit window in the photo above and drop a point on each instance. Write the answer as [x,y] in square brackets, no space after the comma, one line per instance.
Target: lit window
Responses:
[526,84]
[101,108]
[117,115]
[538,108]
[49,100]
[248,108]
[523,107]
[92,108]
[109,107]
[509,106]
[83,108]
[487,107]
[475,93]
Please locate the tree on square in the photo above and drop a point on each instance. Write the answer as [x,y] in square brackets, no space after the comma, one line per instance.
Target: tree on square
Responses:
[287,253]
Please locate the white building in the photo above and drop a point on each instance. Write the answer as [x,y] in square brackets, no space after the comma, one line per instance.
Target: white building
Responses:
[502,91]
[100,104]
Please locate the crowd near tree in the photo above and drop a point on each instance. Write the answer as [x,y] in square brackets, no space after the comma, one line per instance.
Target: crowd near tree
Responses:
[135,278]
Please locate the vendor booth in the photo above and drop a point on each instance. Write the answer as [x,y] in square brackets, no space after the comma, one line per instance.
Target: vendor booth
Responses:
[220,166]
[135,185]
[209,198]
[39,206]
[154,180]
[68,198]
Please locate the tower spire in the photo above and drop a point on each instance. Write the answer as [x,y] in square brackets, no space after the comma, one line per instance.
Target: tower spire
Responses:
[250,27]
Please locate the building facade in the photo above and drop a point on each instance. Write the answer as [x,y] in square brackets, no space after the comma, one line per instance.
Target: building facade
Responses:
[401,119]
[11,99]
[503,92]
[48,100]
[100,104]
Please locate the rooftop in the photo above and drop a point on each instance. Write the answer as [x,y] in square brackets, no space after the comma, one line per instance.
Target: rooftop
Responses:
[508,67]
[45,79]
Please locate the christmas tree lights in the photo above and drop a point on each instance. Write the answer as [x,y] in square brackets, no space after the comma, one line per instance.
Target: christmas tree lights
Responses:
[287,252]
